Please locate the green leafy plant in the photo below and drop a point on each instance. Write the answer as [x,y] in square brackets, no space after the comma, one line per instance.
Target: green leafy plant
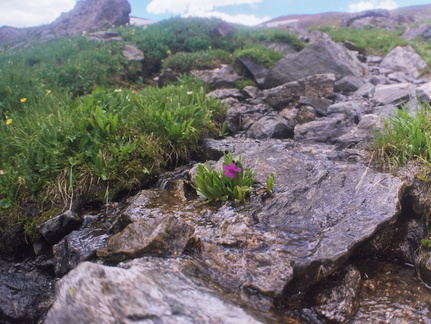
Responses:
[258,54]
[405,137]
[231,182]
[269,185]
[426,244]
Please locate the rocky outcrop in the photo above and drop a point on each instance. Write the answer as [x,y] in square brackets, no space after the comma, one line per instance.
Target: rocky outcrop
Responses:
[86,16]
[90,15]
[146,290]
[404,59]
[320,57]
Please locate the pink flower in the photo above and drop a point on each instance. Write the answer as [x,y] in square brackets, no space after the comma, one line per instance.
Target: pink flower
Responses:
[230,170]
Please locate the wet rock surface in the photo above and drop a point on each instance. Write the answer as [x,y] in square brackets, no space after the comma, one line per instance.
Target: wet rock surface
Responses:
[26,291]
[305,254]
[146,290]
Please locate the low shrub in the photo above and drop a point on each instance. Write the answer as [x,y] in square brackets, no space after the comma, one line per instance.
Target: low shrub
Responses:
[208,59]
[59,151]
[405,137]
[258,54]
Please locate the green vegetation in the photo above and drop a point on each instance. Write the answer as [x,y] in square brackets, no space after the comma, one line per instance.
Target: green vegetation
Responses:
[80,124]
[191,35]
[377,41]
[55,149]
[202,60]
[230,182]
[405,137]
[368,41]
[258,54]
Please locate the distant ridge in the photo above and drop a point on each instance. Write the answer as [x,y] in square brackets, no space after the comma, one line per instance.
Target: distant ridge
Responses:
[336,18]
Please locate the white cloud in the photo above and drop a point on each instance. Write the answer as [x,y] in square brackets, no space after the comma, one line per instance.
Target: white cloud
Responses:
[26,13]
[205,8]
[372,4]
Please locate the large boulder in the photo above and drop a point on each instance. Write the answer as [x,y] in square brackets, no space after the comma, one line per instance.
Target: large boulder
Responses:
[321,56]
[423,31]
[151,290]
[92,15]
[86,16]
[365,14]
[313,86]
[404,59]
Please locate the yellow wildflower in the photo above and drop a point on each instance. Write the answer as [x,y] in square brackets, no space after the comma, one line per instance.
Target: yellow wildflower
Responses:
[48,91]
[22,100]
[21,180]
[8,121]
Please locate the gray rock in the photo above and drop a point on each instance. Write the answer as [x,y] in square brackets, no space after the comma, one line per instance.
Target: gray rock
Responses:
[319,85]
[58,227]
[322,130]
[424,93]
[104,36]
[282,48]
[25,292]
[92,15]
[241,116]
[321,56]
[132,53]
[226,93]
[86,16]
[167,236]
[404,59]
[374,59]
[423,31]
[364,14]
[362,135]
[76,247]
[349,83]
[258,71]
[223,77]
[270,127]
[423,267]
[319,104]
[353,109]
[394,94]
[149,290]
[365,91]
[320,211]
[338,299]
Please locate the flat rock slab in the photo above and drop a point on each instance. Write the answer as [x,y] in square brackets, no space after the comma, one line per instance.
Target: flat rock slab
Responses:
[322,209]
[147,290]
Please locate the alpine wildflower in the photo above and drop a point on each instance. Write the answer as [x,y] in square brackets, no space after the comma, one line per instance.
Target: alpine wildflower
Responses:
[8,121]
[22,100]
[231,170]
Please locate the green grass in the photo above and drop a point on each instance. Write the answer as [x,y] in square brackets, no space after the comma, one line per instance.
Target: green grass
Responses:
[258,54]
[58,151]
[405,137]
[368,41]
[202,60]
[378,41]
[190,35]
[79,123]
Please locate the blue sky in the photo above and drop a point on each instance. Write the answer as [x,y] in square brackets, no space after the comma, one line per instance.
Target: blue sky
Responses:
[25,13]
[257,10]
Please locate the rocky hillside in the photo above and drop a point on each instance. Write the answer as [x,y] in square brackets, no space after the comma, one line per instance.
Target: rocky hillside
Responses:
[412,13]
[89,15]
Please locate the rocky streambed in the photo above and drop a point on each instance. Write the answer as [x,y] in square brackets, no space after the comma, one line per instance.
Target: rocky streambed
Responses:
[337,242]
[328,246]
